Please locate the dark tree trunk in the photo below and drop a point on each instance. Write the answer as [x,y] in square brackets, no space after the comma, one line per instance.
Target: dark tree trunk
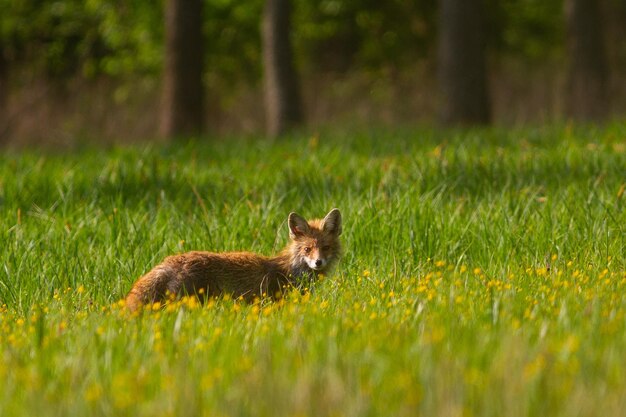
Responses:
[4,94]
[587,95]
[462,63]
[282,90]
[183,92]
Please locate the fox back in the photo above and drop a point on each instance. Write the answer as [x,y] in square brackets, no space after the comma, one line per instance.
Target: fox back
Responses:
[313,249]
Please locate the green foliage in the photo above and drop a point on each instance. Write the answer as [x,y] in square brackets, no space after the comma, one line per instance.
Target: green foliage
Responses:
[232,30]
[530,29]
[483,274]
[124,38]
[55,36]
[343,34]
[69,37]
[132,32]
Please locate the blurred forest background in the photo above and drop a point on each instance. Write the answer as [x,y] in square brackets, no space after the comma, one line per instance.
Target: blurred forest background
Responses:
[138,69]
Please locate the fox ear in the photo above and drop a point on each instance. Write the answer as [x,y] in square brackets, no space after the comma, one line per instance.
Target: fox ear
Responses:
[332,222]
[297,225]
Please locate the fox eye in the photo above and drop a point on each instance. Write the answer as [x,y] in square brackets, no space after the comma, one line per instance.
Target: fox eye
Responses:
[326,247]
[307,249]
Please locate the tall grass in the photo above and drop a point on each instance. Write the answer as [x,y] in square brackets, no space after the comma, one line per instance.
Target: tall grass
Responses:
[484,273]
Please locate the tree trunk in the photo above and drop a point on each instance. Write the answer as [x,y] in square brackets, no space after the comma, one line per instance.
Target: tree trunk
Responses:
[4,94]
[183,92]
[462,63]
[282,90]
[587,95]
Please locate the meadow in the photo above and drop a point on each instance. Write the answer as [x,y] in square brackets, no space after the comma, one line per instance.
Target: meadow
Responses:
[483,274]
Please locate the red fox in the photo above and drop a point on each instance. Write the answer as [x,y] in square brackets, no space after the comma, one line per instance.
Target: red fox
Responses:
[313,249]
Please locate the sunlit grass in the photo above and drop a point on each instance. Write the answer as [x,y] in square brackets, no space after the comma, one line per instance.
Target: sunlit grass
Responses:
[484,274]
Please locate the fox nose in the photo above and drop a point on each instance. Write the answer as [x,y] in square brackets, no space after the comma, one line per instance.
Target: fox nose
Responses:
[318,262]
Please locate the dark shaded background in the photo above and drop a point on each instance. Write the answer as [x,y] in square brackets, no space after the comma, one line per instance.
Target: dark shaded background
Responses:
[73,70]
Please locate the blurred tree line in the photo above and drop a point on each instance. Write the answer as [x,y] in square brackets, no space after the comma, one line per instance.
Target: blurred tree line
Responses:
[459,41]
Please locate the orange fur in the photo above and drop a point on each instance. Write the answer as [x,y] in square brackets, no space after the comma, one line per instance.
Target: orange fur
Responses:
[313,249]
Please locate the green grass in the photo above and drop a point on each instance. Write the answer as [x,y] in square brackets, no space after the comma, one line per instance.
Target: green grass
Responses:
[484,274]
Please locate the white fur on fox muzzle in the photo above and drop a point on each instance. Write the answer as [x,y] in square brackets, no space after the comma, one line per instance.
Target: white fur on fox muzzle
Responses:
[316,264]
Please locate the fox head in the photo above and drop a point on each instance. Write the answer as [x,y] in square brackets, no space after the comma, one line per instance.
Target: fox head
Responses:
[315,244]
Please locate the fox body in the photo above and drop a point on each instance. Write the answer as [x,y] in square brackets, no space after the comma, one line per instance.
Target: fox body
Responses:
[313,249]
